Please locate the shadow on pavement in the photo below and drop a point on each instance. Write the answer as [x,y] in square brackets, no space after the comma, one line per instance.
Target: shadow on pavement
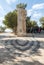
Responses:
[16,48]
[28,63]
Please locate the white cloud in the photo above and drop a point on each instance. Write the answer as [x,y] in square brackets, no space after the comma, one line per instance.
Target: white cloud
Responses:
[37,15]
[29,12]
[2,11]
[10,1]
[1,18]
[35,10]
[38,6]
[1,8]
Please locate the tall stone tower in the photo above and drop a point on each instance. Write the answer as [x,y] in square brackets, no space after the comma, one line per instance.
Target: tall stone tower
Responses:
[21,22]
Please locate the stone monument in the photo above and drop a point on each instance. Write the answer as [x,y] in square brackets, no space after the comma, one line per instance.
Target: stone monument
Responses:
[21,22]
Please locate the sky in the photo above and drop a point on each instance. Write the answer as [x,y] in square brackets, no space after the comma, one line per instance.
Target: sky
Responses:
[35,8]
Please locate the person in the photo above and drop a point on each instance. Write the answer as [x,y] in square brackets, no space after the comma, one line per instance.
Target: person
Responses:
[39,30]
[31,30]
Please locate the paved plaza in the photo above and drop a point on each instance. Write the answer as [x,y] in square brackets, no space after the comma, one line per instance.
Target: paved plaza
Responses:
[21,50]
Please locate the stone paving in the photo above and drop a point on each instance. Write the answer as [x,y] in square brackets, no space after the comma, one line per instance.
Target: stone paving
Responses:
[21,51]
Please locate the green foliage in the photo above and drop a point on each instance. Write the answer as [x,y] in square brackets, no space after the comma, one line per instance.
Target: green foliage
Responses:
[2,29]
[21,5]
[34,24]
[42,21]
[11,20]
[30,23]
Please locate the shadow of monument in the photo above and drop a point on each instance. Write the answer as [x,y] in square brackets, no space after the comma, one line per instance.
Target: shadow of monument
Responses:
[24,45]
[8,53]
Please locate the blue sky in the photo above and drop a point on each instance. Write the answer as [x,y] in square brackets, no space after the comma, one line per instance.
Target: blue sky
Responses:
[35,8]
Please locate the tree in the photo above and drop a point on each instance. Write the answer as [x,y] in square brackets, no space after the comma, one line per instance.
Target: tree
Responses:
[11,20]
[34,24]
[2,29]
[21,5]
[28,23]
[42,21]
[31,25]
